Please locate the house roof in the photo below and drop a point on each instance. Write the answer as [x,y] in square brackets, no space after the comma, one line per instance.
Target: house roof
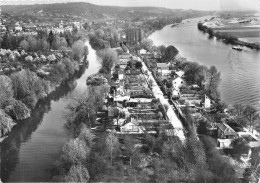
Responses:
[163,68]
[161,65]
[180,73]
[125,56]
[226,129]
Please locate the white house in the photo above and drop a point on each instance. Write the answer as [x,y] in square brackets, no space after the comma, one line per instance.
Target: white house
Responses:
[163,69]
[18,28]
[120,75]
[132,127]
[180,73]
[178,82]
[143,51]
[207,102]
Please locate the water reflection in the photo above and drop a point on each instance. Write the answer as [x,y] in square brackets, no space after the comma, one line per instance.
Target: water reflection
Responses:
[239,70]
[23,131]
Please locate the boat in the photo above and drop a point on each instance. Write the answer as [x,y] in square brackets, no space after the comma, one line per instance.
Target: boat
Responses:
[237,48]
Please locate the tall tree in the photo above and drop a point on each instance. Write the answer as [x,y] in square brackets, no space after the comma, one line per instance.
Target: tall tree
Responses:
[170,53]
[212,82]
[252,116]
[112,144]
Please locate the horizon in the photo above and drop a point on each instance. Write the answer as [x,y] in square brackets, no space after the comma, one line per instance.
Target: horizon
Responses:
[215,5]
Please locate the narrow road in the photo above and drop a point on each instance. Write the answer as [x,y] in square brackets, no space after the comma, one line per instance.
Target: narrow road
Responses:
[173,119]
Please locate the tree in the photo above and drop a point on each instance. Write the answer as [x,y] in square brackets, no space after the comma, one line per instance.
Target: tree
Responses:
[240,145]
[51,38]
[112,144]
[6,89]
[63,42]
[56,43]
[6,123]
[24,45]
[251,115]
[78,50]
[108,58]
[147,44]
[161,49]
[75,151]
[32,44]
[212,82]
[87,136]
[77,173]
[138,65]
[192,69]
[100,33]
[170,53]
[218,165]
[130,149]
[238,109]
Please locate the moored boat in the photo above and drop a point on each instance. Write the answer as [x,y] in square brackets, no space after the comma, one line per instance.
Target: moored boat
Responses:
[237,48]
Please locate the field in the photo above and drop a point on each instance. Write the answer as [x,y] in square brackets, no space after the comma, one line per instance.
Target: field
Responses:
[240,32]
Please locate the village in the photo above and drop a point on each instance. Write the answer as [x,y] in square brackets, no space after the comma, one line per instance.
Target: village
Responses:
[139,104]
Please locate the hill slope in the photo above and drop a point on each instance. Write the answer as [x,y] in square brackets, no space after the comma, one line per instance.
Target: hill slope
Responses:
[86,10]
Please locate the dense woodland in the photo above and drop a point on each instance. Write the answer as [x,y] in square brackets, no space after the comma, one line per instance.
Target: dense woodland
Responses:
[34,72]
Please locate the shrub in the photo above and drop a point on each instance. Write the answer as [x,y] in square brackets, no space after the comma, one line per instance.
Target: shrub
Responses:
[27,83]
[75,151]
[78,50]
[96,80]
[17,110]
[6,88]
[6,123]
[77,173]
[24,45]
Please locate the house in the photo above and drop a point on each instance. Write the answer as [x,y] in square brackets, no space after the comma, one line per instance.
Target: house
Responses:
[18,28]
[143,52]
[163,69]
[251,139]
[123,59]
[175,93]
[178,82]
[225,131]
[161,65]
[179,73]
[132,127]
[207,102]
[121,75]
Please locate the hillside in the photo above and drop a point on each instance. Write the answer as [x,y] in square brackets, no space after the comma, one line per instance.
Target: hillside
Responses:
[87,10]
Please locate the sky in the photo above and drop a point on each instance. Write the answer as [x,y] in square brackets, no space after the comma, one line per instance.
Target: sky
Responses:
[173,4]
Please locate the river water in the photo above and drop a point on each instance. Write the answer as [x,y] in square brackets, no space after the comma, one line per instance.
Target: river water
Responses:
[30,150]
[240,71]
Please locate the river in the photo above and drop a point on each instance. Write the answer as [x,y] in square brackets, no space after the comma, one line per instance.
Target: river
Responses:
[29,152]
[240,71]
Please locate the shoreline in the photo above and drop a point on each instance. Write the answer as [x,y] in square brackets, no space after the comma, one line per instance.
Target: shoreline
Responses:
[53,89]
[227,38]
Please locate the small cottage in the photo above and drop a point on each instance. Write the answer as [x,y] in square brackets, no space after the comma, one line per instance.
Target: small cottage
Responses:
[178,82]
[132,127]
[225,131]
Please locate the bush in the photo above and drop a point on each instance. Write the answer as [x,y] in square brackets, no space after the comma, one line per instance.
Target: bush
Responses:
[27,83]
[17,110]
[96,80]
[75,151]
[77,173]
[24,45]
[6,89]
[78,50]
[6,123]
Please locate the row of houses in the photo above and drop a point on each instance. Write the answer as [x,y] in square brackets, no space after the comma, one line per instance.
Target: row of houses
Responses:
[191,96]
[131,107]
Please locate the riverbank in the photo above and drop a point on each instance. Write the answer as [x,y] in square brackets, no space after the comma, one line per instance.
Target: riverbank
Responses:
[38,77]
[226,38]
